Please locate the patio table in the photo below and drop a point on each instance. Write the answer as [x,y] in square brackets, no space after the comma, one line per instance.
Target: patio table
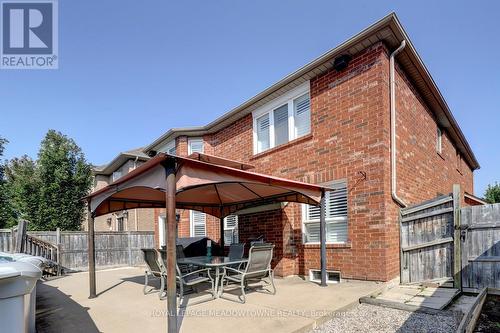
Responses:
[215,262]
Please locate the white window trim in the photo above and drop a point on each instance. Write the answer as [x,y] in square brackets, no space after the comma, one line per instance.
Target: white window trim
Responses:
[169,146]
[123,221]
[117,172]
[439,142]
[191,224]
[190,140]
[269,107]
[161,231]
[233,229]
[327,220]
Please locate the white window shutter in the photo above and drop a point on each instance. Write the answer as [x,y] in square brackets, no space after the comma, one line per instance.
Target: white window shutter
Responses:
[337,203]
[280,125]
[302,115]
[263,142]
[231,229]
[198,224]
[312,232]
[336,216]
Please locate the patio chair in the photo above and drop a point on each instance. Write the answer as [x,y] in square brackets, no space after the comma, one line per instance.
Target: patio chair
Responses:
[186,278]
[236,251]
[179,250]
[155,268]
[258,268]
[192,280]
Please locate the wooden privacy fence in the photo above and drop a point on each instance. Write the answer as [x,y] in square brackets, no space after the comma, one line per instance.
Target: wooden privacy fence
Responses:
[6,244]
[427,236]
[441,240]
[112,248]
[480,243]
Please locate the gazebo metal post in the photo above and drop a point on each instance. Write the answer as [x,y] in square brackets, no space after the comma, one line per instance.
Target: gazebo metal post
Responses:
[91,252]
[170,236]
[322,237]
[221,226]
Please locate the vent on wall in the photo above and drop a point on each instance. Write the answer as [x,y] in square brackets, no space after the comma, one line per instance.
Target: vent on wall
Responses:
[331,276]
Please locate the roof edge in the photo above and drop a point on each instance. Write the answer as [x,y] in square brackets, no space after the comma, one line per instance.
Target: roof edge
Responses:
[389,20]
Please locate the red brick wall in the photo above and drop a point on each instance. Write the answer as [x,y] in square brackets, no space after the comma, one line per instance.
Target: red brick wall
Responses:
[183,226]
[350,139]
[347,138]
[422,173]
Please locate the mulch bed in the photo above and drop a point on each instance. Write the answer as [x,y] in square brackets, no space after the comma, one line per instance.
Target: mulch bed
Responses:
[489,319]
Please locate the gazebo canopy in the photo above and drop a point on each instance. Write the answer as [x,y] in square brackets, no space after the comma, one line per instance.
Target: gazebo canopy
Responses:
[205,183]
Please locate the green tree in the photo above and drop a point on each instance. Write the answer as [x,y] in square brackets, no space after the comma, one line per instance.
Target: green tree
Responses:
[65,178]
[492,194]
[23,187]
[7,214]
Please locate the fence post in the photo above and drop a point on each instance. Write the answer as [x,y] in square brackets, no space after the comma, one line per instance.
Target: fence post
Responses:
[20,237]
[12,241]
[58,252]
[58,236]
[59,259]
[457,254]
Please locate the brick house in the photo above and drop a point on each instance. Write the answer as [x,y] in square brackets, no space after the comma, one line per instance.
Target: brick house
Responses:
[329,122]
[126,220]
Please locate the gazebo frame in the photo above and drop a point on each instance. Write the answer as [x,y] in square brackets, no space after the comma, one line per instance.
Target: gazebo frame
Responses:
[210,184]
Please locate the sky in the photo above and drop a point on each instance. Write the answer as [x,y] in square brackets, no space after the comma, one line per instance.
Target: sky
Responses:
[131,70]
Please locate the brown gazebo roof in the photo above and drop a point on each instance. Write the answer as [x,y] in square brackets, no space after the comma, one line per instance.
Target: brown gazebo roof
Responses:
[205,183]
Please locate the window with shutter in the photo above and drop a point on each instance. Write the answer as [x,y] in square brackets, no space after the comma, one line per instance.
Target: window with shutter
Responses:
[120,224]
[336,216]
[302,115]
[195,145]
[198,224]
[263,142]
[283,119]
[231,229]
[281,125]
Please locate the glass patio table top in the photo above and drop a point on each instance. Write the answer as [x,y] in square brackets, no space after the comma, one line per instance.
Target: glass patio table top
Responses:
[212,261]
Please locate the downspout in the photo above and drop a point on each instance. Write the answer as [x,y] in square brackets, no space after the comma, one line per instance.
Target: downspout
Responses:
[392,80]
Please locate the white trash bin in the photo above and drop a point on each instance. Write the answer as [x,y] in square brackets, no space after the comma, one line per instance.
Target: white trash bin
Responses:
[17,295]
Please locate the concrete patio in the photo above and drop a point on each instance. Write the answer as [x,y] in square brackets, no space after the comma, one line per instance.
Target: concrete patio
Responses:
[298,306]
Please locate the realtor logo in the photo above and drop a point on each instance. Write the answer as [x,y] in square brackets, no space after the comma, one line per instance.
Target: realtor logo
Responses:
[29,35]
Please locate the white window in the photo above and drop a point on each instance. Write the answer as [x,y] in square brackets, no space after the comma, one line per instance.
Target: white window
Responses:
[195,145]
[286,118]
[231,229]
[281,125]
[336,216]
[161,230]
[439,141]
[120,224]
[170,148]
[263,141]
[162,226]
[198,224]
[302,115]
[116,175]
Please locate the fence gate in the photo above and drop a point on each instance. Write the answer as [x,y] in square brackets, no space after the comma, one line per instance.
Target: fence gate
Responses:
[427,240]
[480,247]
